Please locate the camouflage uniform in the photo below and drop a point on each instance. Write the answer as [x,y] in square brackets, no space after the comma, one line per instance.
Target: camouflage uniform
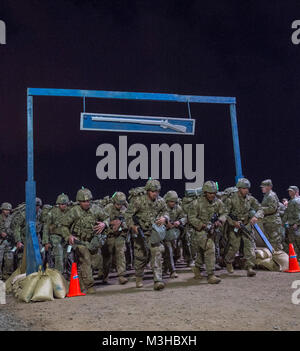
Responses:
[52,234]
[115,242]
[240,207]
[200,215]
[6,243]
[291,218]
[148,211]
[80,223]
[188,251]
[271,221]
[175,214]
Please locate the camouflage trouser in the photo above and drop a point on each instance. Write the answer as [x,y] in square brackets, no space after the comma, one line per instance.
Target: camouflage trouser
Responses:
[6,260]
[204,249]
[234,245]
[114,245]
[57,251]
[85,266]
[294,238]
[141,258]
[274,235]
[186,245]
[97,262]
[168,257]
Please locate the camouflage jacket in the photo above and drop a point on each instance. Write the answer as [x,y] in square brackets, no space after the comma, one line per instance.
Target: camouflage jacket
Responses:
[113,214]
[202,210]
[53,223]
[187,201]
[20,225]
[5,227]
[282,209]
[292,212]
[270,206]
[177,214]
[240,207]
[80,223]
[146,210]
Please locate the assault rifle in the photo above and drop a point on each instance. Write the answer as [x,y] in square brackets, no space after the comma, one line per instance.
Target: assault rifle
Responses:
[136,222]
[210,227]
[244,230]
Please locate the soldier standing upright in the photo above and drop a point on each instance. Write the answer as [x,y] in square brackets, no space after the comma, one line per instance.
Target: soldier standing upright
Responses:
[6,242]
[175,225]
[78,228]
[116,236]
[291,219]
[202,211]
[52,238]
[271,221]
[239,206]
[146,215]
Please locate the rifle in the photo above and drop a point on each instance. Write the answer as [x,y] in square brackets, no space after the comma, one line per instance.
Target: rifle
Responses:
[141,233]
[211,229]
[248,234]
[162,123]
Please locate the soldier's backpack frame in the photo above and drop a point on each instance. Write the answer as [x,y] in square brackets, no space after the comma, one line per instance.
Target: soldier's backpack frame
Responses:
[33,257]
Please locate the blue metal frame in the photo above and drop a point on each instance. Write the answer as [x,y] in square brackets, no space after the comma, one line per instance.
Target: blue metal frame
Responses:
[32,252]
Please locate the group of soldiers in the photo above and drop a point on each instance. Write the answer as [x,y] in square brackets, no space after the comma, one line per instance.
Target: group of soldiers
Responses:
[207,228]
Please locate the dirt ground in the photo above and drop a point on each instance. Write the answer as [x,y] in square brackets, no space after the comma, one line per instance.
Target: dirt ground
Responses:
[237,303]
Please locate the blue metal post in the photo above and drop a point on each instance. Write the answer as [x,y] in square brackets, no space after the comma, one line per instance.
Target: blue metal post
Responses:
[33,256]
[236,144]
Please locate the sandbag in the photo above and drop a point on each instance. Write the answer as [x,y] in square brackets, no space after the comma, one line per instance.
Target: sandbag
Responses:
[282,260]
[266,263]
[19,276]
[43,290]
[8,282]
[58,282]
[260,254]
[28,286]
[266,251]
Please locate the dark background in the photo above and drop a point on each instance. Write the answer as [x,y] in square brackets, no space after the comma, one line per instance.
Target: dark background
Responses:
[223,48]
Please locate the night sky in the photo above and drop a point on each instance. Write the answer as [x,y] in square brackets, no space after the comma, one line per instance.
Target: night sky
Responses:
[221,48]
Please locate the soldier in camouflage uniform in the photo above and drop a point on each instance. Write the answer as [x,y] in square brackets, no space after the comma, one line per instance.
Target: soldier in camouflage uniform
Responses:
[187,201]
[291,219]
[176,223]
[19,226]
[240,204]
[52,239]
[150,209]
[6,242]
[79,228]
[116,236]
[200,216]
[271,221]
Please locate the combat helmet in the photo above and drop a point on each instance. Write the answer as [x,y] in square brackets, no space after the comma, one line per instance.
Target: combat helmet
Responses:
[210,187]
[190,193]
[62,199]
[6,206]
[153,185]
[171,196]
[38,202]
[243,183]
[119,198]
[84,194]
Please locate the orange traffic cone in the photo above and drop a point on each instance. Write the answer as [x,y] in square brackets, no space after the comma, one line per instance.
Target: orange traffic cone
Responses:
[293,263]
[74,289]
